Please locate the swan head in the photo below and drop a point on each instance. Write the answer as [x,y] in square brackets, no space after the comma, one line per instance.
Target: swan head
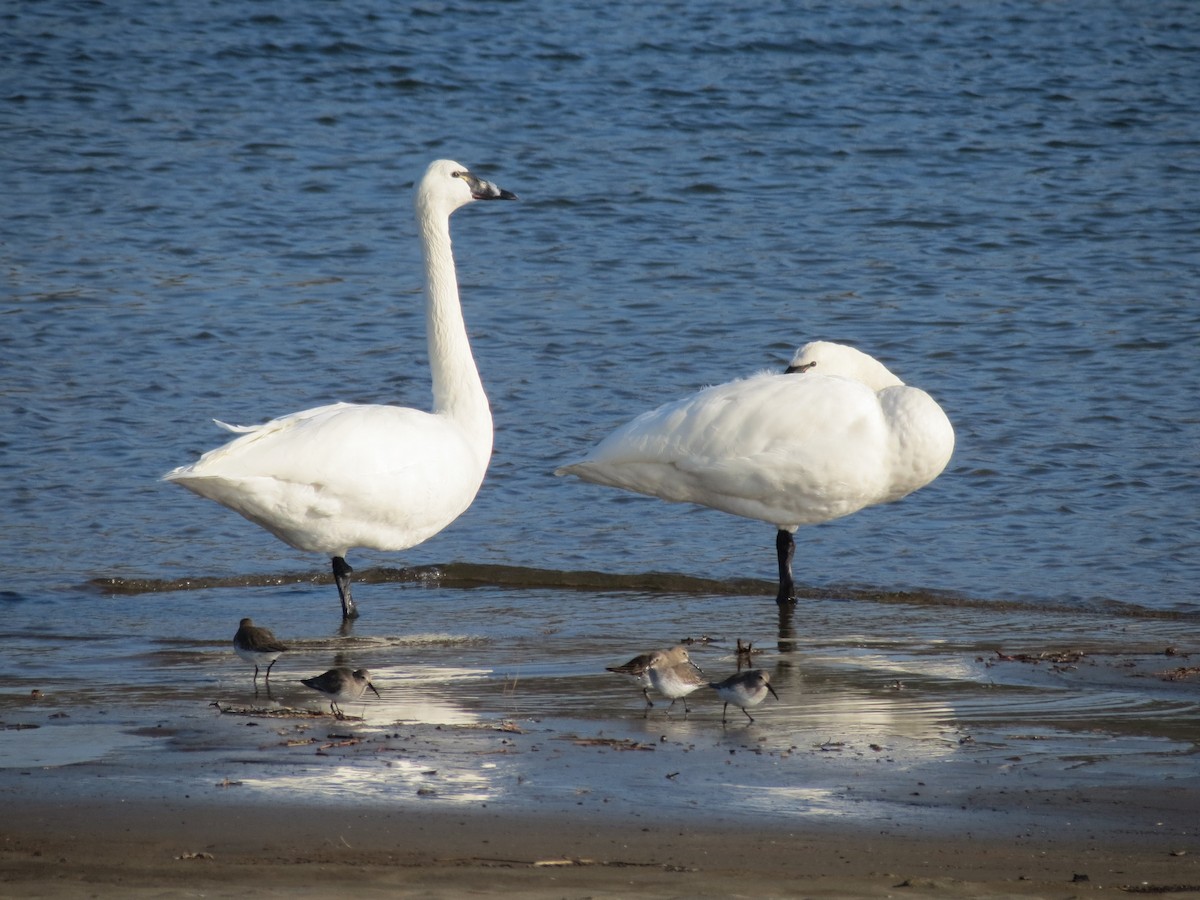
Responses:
[828,358]
[447,185]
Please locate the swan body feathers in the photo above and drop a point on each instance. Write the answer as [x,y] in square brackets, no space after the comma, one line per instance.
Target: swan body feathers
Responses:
[835,434]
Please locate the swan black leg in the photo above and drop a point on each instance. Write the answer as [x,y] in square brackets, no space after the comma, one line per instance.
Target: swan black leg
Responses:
[785,546]
[341,576]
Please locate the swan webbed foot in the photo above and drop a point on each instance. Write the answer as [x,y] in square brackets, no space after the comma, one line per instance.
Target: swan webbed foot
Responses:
[341,577]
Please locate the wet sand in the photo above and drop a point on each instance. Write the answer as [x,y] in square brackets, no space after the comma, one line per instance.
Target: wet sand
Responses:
[896,761]
[229,803]
[141,848]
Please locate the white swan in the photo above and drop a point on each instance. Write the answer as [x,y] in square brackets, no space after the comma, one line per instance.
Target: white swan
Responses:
[834,433]
[384,477]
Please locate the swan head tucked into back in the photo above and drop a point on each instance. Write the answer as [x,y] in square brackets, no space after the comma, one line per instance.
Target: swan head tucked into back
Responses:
[828,358]
[447,185]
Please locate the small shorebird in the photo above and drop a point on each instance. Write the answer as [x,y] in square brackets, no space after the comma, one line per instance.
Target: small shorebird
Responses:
[638,668]
[257,646]
[675,680]
[744,689]
[341,685]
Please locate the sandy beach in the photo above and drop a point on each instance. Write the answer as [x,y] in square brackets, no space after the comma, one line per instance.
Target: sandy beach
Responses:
[237,801]
[902,764]
[119,848]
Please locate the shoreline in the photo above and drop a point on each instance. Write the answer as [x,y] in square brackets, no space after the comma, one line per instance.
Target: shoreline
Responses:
[1014,758]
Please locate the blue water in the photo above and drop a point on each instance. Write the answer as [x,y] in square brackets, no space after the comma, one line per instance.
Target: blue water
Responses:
[207,214]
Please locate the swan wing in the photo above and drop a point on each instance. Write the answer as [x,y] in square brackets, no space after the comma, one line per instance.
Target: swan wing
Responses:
[260,432]
[788,449]
[344,475]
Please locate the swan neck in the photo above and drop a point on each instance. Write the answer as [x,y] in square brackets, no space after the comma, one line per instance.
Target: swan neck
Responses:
[457,389]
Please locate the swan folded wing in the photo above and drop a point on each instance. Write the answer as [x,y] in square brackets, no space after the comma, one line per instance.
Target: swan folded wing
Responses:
[791,450]
[315,482]
[807,415]
[709,423]
[251,434]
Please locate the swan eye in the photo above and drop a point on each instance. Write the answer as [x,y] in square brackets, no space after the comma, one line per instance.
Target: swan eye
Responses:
[458,174]
[792,370]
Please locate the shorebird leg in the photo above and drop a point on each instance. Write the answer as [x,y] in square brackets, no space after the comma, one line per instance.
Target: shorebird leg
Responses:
[341,576]
[748,716]
[646,694]
[268,677]
[724,709]
[785,546]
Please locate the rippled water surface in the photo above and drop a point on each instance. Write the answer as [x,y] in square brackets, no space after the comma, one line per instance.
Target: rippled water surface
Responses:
[207,214]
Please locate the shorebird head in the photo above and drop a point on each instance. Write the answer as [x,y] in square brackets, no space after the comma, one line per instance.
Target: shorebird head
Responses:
[366,676]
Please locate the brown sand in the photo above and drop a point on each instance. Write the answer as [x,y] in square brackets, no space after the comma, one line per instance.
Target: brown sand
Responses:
[183,848]
[1043,787]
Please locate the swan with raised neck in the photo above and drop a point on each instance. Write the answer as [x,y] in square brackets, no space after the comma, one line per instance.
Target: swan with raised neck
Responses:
[371,475]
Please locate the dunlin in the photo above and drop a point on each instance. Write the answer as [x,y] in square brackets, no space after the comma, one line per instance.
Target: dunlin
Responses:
[675,680]
[744,689]
[341,685]
[638,668]
[257,646]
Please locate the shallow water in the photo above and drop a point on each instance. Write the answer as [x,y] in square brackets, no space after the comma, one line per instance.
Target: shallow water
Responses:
[499,697]
[207,215]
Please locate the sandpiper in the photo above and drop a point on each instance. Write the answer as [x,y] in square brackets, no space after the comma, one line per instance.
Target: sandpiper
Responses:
[744,689]
[638,668]
[675,680]
[341,685]
[257,646]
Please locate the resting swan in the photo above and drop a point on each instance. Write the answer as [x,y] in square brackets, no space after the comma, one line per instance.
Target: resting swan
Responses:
[835,433]
[347,475]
